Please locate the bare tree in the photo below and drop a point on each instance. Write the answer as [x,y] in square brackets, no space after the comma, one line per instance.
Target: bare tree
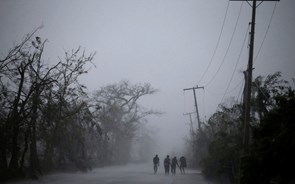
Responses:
[66,102]
[29,89]
[121,115]
[21,79]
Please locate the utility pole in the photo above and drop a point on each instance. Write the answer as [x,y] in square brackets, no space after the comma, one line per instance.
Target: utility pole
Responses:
[191,121]
[248,85]
[247,95]
[196,105]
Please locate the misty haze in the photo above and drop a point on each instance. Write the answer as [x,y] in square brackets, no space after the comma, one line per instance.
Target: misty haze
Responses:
[147,91]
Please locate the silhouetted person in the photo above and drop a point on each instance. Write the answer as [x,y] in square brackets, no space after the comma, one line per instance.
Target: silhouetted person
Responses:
[167,164]
[174,163]
[182,164]
[156,162]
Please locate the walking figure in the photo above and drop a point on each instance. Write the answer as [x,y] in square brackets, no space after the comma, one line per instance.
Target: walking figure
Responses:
[174,163]
[167,164]
[156,162]
[182,164]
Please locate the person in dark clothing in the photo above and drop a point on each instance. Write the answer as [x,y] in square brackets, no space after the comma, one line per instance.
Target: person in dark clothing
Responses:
[182,164]
[156,162]
[167,164]
[174,163]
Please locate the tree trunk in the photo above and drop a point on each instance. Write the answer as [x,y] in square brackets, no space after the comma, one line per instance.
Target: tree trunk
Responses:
[25,149]
[13,164]
[34,161]
[3,159]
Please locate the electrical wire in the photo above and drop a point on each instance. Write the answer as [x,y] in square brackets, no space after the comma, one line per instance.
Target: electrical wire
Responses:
[273,11]
[262,92]
[184,102]
[231,39]
[204,108]
[240,93]
[231,90]
[239,84]
[217,44]
[238,61]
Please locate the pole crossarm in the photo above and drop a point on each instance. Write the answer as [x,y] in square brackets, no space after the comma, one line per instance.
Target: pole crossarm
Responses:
[253,0]
[260,2]
[197,87]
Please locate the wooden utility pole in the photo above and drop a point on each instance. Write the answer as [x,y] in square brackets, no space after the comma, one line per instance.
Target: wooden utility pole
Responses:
[247,95]
[249,80]
[196,104]
[248,86]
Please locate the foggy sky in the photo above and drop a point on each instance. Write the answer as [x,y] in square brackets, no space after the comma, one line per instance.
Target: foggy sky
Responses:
[167,43]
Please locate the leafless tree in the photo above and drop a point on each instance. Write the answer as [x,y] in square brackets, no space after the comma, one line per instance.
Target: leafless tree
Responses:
[120,116]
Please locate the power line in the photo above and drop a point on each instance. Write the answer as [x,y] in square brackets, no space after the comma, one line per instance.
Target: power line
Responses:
[231,39]
[234,88]
[268,27]
[204,108]
[229,91]
[217,44]
[240,94]
[262,92]
[239,84]
[241,51]
[184,102]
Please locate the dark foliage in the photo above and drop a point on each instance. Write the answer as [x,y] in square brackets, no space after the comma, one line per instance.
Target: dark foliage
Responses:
[270,155]
[271,158]
[222,160]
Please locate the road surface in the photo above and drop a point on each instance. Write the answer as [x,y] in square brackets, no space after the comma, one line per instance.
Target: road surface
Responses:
[129,174]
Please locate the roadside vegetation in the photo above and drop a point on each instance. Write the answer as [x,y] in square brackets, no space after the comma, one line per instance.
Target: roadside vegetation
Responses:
[50,122]
[218,150]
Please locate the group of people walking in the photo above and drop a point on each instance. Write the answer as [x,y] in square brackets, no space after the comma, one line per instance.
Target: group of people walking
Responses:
[170,164]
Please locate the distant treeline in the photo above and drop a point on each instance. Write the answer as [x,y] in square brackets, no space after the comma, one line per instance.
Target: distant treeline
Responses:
[218,147]
[50,122]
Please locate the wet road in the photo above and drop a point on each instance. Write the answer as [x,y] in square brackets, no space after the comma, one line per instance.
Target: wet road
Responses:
[129,174]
